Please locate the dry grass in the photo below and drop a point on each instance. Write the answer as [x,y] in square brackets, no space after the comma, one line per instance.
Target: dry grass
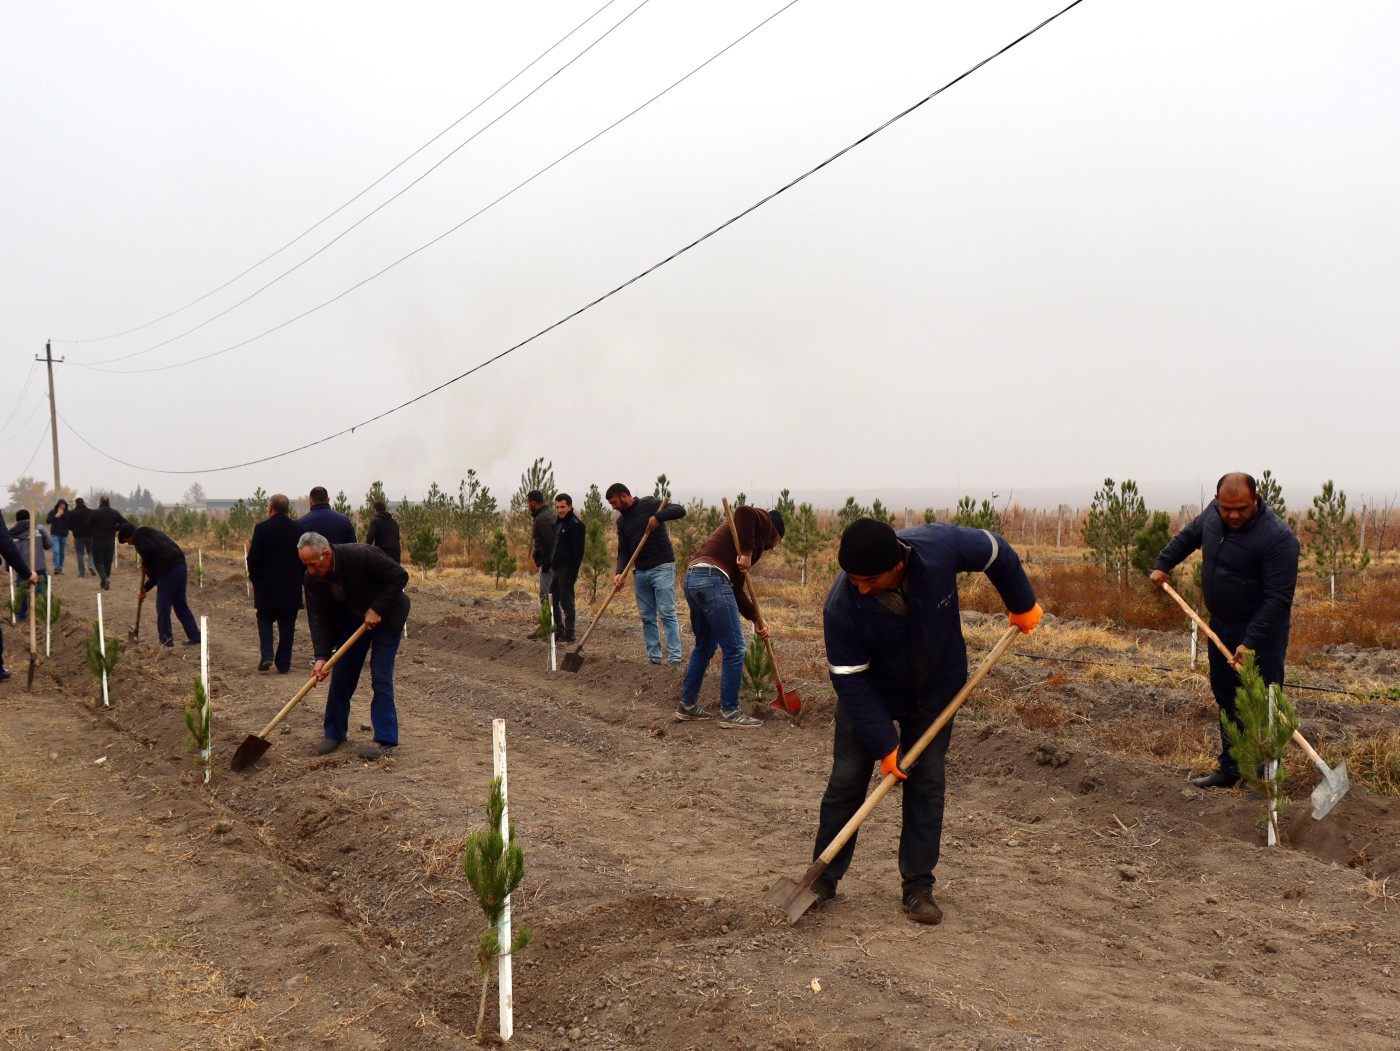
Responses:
[1373,761]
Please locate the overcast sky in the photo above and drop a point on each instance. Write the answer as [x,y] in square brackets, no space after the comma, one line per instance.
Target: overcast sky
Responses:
[1151,241]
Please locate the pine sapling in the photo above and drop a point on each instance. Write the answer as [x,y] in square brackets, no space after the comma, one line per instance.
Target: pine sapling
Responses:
[544,622]
[758,670]
[494,866]
[42,604]
[1258,736]
[98,662]
[197,723]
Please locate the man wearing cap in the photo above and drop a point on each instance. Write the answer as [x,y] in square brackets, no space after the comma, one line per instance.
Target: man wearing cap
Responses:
[163,567]
[654,572]
[896,655]
[714,590]
[1248,576]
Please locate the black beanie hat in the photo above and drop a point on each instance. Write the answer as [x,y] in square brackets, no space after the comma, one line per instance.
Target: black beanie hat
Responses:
[869,548]
[779,526]
[125,530]
[22,515]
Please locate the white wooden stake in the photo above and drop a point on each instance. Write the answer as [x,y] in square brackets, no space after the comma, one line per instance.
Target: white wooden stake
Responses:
[207,752]
[102,642]
[48,618]
[1333,578]
[1193,645]
[1271,772]
[503,962]
[247,584]
[201,568]
[12,597]
[553,666]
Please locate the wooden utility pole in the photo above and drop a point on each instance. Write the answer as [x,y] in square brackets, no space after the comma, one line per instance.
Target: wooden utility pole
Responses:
[53,413]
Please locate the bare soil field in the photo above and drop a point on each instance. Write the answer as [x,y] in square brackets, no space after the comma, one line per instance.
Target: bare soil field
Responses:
[1093,898]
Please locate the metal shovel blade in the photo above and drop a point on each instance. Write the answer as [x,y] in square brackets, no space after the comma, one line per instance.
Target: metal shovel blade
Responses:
[789,701]
[1335,783]
[249,752]
[790,896]
[572,661]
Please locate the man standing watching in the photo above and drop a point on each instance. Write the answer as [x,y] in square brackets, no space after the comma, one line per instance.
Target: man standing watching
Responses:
[714,590]
[81,530]
[105,522]
[326,520]
[347,584]
[896,654]
[1248,576]
[276,571]
[542,544]
[14,558]
[383,532]
[19,532]
[59,522]
[566,556]
[163,567]
[654,573]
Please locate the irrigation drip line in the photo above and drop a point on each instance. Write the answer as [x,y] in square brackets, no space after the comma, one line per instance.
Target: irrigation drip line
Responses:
[326,218]
[600,299]
[1157,667]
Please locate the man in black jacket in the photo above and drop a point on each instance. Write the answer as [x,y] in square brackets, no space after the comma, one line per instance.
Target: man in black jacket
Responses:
[383,532]
[324,519]
[105,522]
[347,584]
[654,572]
[276,572]
[59,522]
[80,527]
[542,535]
[1248,576]
[566,556]
[163,567]
[14,557]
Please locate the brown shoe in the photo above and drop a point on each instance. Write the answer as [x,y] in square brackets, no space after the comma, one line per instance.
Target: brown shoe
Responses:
[921,908]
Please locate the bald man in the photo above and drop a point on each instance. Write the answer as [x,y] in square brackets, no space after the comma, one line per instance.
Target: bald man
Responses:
[1248,576]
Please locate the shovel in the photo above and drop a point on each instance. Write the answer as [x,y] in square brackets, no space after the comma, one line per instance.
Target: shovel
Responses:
[574,661]
[787,700]
[1335,783]
[796,898]
[135,633]
[33,605]
[254,745]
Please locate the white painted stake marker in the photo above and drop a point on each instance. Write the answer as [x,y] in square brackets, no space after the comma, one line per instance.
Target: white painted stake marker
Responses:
[207,752]
[1193,644]
[12,597]
[247,583]
[1270,772]
[201,569]
[102,641]
[503,962]
[48,618]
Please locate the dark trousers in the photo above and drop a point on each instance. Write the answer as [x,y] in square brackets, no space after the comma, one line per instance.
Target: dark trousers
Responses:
[381,647]
[170,594]
[561,587]
[922,826]
[285,621]
[82,551]
[103,547]
[23,613]
[1224,680]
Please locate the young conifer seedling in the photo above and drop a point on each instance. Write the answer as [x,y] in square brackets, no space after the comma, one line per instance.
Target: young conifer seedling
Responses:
[758,670]
[98,662]
[197,723]
[1259,739]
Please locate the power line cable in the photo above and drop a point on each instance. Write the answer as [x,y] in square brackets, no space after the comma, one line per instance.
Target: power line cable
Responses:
[446,233]
[38,445]
[22,392]
[523,70]
[37,406]
[605,296]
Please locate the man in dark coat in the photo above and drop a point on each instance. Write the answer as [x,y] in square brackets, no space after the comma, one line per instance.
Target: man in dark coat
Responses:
[895,651]
[565,558]
[383,532]
[326,520]
[105,522]
[542,536]
[1248,575]
[15,559]
[163,567]
[81,530]
[276,572]
[654,572]
[346,585]
[59,522]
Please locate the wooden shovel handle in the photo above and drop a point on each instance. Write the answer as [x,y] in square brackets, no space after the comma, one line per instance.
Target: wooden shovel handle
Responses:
[1298,738]
[923,742]
[625,570]
[310,683]
[34,597]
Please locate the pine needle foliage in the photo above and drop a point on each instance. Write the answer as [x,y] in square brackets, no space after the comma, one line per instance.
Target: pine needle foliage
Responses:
[499,561]
[544,621]
[493,865]
[758,669]
[42,603]
[99,662]
[197,719]
[1258,740]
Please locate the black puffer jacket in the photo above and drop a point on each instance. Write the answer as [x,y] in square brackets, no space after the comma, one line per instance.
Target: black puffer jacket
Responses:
[1249,574]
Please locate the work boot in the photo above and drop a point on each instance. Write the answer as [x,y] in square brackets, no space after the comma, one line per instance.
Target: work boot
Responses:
[1218,779]
[377,751]
[920,907]
[824,889]
[327,745]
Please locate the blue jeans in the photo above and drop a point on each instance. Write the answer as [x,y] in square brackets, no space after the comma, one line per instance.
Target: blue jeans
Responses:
[170,594]
[60,548]
[714,618]
[286,623]
[381,647]
[656,596]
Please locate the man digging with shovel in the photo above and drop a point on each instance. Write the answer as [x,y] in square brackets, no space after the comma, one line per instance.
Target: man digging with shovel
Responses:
[896,654]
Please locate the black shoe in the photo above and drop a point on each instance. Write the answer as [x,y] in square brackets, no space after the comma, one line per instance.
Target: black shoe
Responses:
[1219,779]
[377,751]
[264,665]
[920,907]
[106,585]
[824,889]
[192,642]
[5,673]
[326,745]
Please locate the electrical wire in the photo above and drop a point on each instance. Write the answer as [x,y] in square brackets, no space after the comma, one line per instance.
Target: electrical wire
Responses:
[319,222]
[605,296]
[446,233]
[38,445]
[22,392]
[37,406]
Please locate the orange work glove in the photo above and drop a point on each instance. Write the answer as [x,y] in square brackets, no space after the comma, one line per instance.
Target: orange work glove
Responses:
[1028,620]
[890,765]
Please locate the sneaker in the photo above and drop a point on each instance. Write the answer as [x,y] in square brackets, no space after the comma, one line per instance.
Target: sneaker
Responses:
[327,745]
[737,718]
[690,711]
[920,907]
[377,751]
[264,665]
